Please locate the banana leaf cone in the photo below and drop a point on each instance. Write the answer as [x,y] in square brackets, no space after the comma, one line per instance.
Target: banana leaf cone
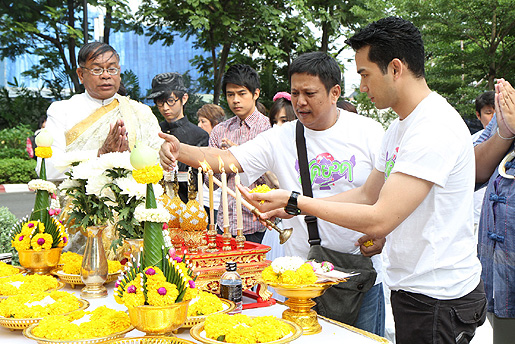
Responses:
[152,237]
[42,202]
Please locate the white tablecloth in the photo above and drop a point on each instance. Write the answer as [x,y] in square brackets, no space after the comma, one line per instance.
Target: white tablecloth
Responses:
[331,333]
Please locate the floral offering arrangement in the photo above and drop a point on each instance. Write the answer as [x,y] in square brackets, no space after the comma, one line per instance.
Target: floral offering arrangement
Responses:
[26,284]
[38,305]
[263,188]
[204,303]
[241,328]
[72,263]
[101,322]
[43,230]
[8,270]
[289,270]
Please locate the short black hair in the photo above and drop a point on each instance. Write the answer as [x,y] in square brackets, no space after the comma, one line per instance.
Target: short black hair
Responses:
[241,75]
[320,64]
[484,99]
[279,104]
[391,38]
[91,51]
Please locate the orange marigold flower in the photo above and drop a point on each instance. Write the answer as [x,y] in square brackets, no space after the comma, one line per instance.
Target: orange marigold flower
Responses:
[149,174]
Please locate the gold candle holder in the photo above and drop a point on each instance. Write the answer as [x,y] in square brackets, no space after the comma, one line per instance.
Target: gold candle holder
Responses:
[240,239]
[211,239]
[226,239]
[94,265]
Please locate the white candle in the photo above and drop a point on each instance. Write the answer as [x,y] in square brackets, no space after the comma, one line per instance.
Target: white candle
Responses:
[239,215]
[211,200]
[225,205]
[200,187]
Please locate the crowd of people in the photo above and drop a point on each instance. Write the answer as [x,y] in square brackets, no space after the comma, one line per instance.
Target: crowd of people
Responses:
[397,204]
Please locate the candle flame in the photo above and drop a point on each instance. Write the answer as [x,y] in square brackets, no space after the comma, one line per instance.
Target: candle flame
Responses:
[233,168]
[204,165]
[221,164]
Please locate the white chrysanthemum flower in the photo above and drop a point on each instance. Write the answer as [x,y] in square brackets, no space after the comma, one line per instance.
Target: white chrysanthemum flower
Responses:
[96,186]
[131,187]
[281,264]
[86,170]
[115,160]
[40,184]
[68,183]
[141,214]
[65,162]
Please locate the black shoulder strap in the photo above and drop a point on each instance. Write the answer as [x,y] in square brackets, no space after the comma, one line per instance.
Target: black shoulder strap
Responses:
[311,221]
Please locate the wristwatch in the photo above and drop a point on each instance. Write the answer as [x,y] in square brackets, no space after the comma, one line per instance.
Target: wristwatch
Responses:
[291,208]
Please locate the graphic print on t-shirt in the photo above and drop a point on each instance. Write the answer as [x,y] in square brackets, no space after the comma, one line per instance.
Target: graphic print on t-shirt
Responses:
[390,162]
[324,170]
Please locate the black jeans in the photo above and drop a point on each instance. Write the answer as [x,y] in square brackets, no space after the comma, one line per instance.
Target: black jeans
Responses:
[256,237]
[422,319]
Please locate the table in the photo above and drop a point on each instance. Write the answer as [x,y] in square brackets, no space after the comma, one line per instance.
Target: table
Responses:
[332,332]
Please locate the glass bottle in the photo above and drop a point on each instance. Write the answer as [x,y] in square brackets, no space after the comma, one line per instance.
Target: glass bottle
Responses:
[231,286]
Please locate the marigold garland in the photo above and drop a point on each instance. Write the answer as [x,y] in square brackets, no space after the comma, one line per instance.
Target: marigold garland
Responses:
[148,174]
[43,152]
[101,322]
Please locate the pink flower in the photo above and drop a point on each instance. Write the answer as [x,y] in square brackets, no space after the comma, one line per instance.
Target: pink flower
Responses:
[131,289]
[162,291]
[177,259]
[54,196]
[150,272]
[41,241]
[165,226]
[30,225]
[51,212]
[57,211]
[171,252]
[21,238]
[65,240]
[191,283]
[117,284]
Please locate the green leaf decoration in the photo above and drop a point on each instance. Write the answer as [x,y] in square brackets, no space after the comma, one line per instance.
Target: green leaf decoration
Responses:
[153,239]
[41,205]
[42,172]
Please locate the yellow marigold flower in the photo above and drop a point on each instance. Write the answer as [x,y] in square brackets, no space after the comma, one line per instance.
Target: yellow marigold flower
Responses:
[8,270]
[31,306]
[190,294]
[149,174]
[64,240]
[263,188]
[31,226]
[30,284]
[205,303]
[41,241]
[43,152]
[21,242]
[268,275]
[162,294]
[113,266]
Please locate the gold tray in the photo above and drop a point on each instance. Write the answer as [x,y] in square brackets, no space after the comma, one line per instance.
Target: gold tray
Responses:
[197,332]
[28,333]
[150,340]
[60,285]
[21,270]
[20,324]
[192,321]
[74,280]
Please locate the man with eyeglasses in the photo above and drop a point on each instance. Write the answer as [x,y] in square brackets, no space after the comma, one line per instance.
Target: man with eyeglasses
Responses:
[99,120]
[170,95]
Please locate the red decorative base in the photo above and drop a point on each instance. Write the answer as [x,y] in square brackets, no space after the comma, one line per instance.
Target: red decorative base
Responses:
[260,302]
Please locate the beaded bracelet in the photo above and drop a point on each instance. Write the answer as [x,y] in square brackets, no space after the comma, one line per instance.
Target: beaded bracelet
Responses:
[504,138]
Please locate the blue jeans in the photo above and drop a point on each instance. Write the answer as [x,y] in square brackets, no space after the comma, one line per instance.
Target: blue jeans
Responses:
[371,316]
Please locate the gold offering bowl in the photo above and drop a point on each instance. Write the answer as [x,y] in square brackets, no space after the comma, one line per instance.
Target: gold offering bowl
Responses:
[299,300]
[159,320]
[40,262]
[74,280]
[28,333]
[150,340]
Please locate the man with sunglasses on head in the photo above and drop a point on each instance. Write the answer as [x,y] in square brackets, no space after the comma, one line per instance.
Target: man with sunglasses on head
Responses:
[99,120]
[170,95]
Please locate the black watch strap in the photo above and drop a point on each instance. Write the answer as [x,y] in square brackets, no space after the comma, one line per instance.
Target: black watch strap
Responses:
[292,208]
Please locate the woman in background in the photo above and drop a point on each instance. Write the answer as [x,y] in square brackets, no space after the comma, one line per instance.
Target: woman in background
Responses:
[282,110]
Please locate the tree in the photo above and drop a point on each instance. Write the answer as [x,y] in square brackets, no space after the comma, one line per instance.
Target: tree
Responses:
[219,27]
[468,44]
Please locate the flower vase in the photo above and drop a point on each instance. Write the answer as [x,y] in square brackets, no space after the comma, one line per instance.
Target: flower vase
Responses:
[94,264]
[136,248]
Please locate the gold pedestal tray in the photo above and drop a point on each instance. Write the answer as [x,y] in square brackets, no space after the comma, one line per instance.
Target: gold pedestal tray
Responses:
[198,333]
[39,262]
[20,324]
[159,320]
[251,261]
[74,280]
[28,333]
[150,340]
[299,300]
[192,321]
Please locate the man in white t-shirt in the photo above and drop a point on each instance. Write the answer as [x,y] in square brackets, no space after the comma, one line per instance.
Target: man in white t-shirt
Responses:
[419,193]
[341,150]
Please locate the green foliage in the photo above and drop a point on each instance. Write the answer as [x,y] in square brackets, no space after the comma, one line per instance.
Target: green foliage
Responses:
[17,171]
[25,107]
[368,109]
[7,221]
[13,142]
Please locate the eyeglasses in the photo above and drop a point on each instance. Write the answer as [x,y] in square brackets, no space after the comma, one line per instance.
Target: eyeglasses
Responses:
[99,71]
[169,101]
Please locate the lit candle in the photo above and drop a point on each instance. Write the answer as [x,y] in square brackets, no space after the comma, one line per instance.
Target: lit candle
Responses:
[225,205]
[211,199]
[239,215]
[200,187]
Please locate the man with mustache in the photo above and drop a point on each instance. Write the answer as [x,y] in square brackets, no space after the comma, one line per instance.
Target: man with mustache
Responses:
[99,120]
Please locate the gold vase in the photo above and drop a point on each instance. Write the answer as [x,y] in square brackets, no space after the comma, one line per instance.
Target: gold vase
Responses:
[94,265]
[136,248]
[299,300]
[40,262]
[159,320]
